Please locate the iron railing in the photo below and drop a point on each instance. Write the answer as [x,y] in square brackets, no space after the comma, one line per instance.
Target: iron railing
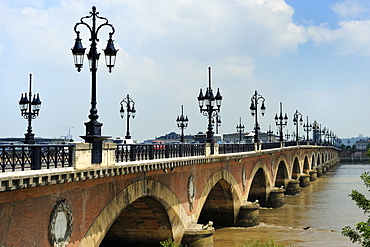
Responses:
[226,148]
[135,152]
[34,157]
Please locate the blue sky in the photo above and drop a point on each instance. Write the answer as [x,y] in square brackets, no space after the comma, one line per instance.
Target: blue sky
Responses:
[312,55]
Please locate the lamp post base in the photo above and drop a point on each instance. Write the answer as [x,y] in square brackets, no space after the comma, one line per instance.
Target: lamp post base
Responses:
[93,135]
[29,138]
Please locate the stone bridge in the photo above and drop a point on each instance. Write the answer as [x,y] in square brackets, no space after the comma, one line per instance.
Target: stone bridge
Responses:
[144,202]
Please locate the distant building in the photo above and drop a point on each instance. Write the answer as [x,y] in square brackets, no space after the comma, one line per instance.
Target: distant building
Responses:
[235,137]
[173,137]
[362,144]
[38,140]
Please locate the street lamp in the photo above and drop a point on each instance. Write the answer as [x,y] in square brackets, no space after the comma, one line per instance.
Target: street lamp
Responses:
[182,123]
[130,111]
[253,108]
[207,107]
[240,128]
[297,120]
[315,132]
[281,122]
[29,110]
[307,127]
[93,127]
[269,134]
[322,133]
[287,135]
[216,121]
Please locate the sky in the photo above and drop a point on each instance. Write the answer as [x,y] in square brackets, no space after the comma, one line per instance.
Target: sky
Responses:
[311,55]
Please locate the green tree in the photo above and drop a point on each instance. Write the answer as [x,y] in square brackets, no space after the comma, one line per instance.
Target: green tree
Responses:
[361,233]
[258,243]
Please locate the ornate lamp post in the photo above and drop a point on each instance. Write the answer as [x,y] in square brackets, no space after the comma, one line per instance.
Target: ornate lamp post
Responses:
[287,135]
[207,106]
[322,133]
[182,123]
[315,132]
[130,112]
[297,120]
[269,134]
[307,127]
[254,110]
[93,127]
[216,121]
[281,122]
[29,110]
[240,128]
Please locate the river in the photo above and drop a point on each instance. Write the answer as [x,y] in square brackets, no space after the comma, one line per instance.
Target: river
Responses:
[324,208]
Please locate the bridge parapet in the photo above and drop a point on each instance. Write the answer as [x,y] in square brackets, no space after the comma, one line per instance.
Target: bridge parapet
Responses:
[82,169]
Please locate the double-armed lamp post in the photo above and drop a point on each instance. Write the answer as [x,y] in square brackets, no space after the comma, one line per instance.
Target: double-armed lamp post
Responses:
[254,112]
[307,127]
[182,123]
[29,110]
[281,122]
[297,120]
[130,112]
[240,128]
[270,133]
[216,121]
[93,127]
[209,106]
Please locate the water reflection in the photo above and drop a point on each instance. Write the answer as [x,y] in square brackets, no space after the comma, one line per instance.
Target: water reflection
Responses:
[323,209]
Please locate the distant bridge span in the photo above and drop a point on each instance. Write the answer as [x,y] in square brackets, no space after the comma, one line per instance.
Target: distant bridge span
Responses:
[150,201]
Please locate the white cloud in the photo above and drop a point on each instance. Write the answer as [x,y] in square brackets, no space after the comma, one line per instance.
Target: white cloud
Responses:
[351,37]
[350,9]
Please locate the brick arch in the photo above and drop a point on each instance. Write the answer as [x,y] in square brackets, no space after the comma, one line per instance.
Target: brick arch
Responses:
[142,188]
[296,168]
[259,183]
[281,173]
[226,182]
[318,162]
[313,160]
[306,165]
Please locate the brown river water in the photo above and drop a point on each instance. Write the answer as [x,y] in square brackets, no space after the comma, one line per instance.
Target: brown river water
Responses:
[324,208]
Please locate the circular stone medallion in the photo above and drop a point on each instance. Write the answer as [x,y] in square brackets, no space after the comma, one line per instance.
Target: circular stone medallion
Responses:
[191,191]
[60,225]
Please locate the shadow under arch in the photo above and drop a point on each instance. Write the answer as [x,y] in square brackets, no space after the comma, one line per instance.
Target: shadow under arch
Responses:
[143,191]
[282,176]
[306,165]
[296,169]
[260,183]
[220,200]
[313,163]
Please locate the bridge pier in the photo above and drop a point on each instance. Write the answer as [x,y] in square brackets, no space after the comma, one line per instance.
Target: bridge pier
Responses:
[319,171]
[198,236]
[324,169]
[276,198]
[304,180]
[313,175]
[248,215]
[293,188]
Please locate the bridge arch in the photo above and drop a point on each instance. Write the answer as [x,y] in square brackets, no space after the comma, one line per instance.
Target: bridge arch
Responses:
[323,158]
[318,159]
[296,171]
[220,199]
[313,161]
[306,165]
[282,174]
[260,183]
[144,192]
